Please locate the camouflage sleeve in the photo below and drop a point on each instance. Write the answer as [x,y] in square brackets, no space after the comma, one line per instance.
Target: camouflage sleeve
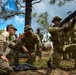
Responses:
[7,51]
[68,28]
[2,40]
[41,36]
[15,45]
[53,29]
[12,45]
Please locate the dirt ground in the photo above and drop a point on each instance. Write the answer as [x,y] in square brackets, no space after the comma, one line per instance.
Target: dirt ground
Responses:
[67,67]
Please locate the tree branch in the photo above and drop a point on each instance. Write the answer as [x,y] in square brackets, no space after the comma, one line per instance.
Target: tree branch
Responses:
[36,2]
[59,0]
[19,4]
[12,15]
[71,0]
[74,1]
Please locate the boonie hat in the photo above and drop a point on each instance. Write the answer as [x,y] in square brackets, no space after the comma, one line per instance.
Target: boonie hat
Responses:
[27,27]
[56,18]
[11,26]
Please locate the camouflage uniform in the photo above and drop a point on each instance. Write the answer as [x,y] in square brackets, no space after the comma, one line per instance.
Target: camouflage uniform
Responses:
[60,47]
[56,44]
[55,38]
[66,42]
[70,46]
[3,44]
[73,40]
[29,42]
[39,34]
[69,30]
[5,49]
[41,37]
[73,35]
[15,53]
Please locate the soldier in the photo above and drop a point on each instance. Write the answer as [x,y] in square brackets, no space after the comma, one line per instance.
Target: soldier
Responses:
[14,60]
[29,40]
[60,48]
[4,66]
[73,40]
[54,31]
[39,34]
[6,47]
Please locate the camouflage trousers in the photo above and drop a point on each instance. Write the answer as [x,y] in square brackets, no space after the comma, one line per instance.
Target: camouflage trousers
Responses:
[31,60]
[12,55]
[5,69]
[13,58]
[56,59]
[59,51]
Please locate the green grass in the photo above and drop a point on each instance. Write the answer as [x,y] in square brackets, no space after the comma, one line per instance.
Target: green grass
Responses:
[43,69]
[40,63]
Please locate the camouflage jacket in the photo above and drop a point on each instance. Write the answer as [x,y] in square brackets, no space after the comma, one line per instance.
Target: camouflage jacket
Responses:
[5,42]
[40,36]
[60,37]
[32,43]
[54,35]
[73,35]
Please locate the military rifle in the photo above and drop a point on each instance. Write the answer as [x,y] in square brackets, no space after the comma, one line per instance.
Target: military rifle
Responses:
[67,19]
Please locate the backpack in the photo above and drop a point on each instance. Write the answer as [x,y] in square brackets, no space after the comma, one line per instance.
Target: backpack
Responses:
[24,67]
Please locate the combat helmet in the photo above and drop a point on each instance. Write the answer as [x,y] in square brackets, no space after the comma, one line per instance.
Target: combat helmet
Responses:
[56,18]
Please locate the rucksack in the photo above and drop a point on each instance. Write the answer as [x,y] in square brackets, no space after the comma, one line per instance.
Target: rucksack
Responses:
[24,67]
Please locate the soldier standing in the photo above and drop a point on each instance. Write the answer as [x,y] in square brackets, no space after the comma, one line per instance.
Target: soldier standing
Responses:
[39,34]
[55,32]
[60,48]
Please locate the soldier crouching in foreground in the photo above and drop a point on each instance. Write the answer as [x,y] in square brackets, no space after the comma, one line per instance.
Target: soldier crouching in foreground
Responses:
[6,47]
[32,43]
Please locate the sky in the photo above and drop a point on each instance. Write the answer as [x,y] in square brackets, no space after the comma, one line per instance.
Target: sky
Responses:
[53,10]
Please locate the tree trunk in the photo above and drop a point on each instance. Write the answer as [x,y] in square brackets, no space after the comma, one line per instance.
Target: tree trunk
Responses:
[28,12]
